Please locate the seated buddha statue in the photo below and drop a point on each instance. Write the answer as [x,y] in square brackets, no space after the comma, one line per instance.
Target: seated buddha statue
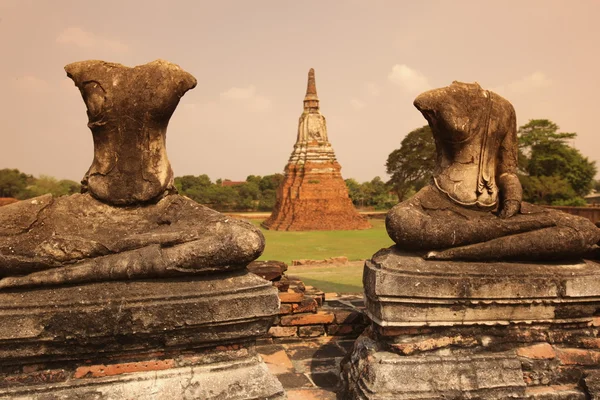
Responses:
[128,222]
[473,208]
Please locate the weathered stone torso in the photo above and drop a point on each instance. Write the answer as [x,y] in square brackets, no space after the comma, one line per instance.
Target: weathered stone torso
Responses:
[468,151]
[129,110]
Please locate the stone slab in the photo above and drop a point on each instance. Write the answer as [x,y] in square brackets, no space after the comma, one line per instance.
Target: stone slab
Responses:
[245,379]
[372,374]
[100,319]
[403,289]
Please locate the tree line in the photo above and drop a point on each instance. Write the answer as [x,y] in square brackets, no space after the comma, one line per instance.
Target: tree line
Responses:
[256,193]
[259,193]
[550,169]
[551,172]
[19,185]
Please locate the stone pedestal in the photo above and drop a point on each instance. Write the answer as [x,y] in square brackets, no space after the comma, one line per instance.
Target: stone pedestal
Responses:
[190,338]
[465,330]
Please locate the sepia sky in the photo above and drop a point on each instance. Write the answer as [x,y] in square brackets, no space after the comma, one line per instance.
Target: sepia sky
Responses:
[251,59]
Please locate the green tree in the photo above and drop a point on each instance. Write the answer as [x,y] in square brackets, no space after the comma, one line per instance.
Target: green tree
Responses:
[13,183]
[197,188]
[223,198]
[545,153]
[411,166]
[249,195]
[375,193]
[270,182]
[268,186]
[356,195]
[48,184]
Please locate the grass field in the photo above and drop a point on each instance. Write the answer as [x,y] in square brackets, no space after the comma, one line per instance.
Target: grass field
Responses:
[339,279]
[318,245]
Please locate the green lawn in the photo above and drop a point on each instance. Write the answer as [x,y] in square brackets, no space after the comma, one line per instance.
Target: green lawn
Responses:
[318,245]
[339,279]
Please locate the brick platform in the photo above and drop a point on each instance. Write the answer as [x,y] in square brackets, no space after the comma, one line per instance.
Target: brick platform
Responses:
[307,312]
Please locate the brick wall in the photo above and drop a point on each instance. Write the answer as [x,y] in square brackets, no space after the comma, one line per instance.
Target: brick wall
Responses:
[307,312]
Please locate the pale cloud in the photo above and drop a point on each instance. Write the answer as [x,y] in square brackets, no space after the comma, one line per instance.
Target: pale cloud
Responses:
[358,104]
[31,83]
[408,79]
[248,96]
[237,93]
[532,82]
[80,38]
[373,89]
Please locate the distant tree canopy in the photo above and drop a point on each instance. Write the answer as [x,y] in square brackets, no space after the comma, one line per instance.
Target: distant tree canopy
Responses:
[19,185]
[259,193]
[550,170]
[411,166]
[255,194]
[372,194]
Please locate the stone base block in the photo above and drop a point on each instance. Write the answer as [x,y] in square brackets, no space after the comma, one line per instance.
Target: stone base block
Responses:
[100,319]
[472,330]
[374,374]
[405,290]
[189,338]
[242,379]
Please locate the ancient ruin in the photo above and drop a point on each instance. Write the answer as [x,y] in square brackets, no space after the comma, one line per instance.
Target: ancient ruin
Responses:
[313,194]
[129,290]
[483,296]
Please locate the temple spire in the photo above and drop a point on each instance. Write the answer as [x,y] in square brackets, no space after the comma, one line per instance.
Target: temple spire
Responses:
[311,100]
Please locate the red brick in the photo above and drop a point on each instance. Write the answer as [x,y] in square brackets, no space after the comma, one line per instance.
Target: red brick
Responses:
[96,371]
[311,331]
[307,305]
[578,356]
[321,317]
[538,351]
[291,297]
[591,343]
[283,285]
[285,309]
[283,331]
[339,330]
[348,317]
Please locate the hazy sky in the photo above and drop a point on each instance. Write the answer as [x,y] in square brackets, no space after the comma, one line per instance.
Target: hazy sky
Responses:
[251,60]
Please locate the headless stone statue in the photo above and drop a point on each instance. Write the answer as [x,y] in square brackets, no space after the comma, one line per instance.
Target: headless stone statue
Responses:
[473,210]
[128,110]
[128,222]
